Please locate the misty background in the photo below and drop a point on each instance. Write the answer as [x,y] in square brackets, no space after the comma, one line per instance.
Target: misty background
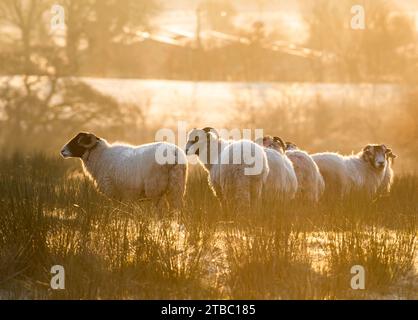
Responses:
[127,68]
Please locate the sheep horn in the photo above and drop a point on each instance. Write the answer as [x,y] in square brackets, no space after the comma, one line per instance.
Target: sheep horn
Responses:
[367,148]
[210,129]
[279,140]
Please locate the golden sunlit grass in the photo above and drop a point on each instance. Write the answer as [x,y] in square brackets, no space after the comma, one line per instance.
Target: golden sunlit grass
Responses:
[301,71]
[116,250]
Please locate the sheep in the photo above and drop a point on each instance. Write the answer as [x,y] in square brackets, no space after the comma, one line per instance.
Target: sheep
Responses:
[311,184]
[127,172]
[236,179]
[282,180]
[386,184]
[367,173]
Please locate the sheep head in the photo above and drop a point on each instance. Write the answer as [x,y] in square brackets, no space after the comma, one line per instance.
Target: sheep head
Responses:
[201,141]
[79,145]
[377,155]
[291,146]
[210,129]
[279,143]
[275,143]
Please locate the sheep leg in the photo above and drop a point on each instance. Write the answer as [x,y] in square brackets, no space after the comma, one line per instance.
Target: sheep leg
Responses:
[154,189]
[176,188]
[106,186]
[217,191]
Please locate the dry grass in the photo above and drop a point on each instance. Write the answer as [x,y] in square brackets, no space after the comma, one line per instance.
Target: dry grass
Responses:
[114,250]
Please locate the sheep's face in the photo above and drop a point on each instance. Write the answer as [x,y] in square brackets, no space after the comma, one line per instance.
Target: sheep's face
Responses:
[377,155]
[290,146]
[274,143]
[79,145]
[199,140]
[267,142]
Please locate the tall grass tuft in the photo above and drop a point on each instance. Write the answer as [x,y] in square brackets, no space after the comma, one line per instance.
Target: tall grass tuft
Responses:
[51,215]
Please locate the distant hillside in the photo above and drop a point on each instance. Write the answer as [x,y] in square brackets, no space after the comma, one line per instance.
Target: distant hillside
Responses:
[289,5]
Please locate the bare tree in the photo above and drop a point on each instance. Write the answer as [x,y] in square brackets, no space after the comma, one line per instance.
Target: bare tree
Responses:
[110,22]
[26,17]
[40,102]
[369,54]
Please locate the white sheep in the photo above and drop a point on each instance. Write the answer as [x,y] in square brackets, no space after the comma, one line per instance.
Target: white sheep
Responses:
[123,171]
[386,184]
[237,169]
[311,185]
[368,173]
[282,180]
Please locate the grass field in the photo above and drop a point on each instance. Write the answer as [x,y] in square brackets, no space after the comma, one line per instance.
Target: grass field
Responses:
[49,215]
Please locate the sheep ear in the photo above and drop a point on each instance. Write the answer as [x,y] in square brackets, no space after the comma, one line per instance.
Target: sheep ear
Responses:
[367,149]
[281,142]
[366,153]
[87,140]
[210,129]
[390,154]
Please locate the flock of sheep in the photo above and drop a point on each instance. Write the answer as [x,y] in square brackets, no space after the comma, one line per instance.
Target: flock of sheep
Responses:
[123,171]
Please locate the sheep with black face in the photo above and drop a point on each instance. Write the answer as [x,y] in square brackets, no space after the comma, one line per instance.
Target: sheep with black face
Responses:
[369,172]
[123,171]
[236,169]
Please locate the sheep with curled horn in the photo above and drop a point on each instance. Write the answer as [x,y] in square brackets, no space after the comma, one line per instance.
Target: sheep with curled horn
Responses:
[368,172]
[230,178]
